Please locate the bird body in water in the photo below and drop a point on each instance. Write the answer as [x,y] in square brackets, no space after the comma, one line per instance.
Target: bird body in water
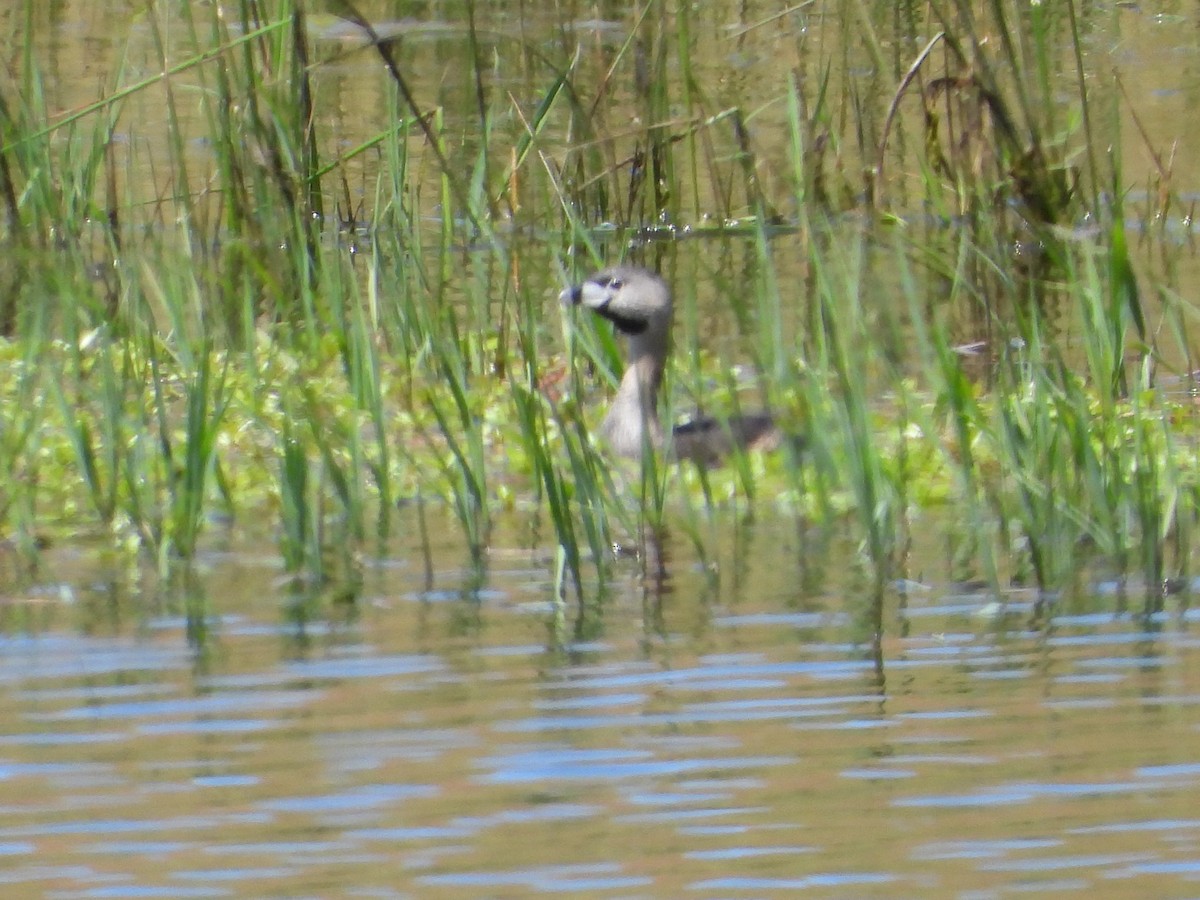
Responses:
[638,303]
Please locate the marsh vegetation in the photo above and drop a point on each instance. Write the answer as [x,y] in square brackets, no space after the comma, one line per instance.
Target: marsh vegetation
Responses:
[302,269]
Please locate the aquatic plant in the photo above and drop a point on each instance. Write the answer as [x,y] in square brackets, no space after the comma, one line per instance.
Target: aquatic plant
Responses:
[257,312]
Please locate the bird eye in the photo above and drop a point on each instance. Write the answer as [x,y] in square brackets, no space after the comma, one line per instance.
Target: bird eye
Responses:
[615,283]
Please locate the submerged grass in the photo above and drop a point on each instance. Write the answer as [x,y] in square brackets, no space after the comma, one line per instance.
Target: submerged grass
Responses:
[225,346]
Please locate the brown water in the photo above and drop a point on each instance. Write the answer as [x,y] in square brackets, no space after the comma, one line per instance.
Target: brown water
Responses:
[743,53]
[728,736]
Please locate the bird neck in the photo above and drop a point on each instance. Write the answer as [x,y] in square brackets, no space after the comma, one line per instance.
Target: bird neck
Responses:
[632,421]
[647,358]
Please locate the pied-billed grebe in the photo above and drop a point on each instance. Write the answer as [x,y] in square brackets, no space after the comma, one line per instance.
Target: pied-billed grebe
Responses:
[638,303]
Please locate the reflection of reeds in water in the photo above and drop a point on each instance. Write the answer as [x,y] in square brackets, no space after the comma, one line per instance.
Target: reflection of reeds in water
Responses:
[226,348]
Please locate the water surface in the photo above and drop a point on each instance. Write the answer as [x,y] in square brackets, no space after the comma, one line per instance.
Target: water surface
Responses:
[726,737]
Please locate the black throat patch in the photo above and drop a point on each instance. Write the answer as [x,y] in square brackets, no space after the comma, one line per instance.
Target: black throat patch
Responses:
[625,324]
